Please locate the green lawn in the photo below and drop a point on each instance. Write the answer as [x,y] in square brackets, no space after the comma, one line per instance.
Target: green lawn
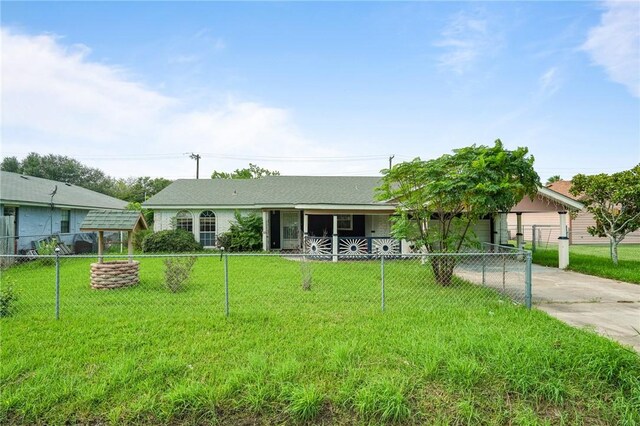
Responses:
[595,260]
[457,355]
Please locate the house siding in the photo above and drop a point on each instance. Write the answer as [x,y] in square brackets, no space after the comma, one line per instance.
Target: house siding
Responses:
[580,235]
[36,223]
[549,228]
[224,218]
[550,219]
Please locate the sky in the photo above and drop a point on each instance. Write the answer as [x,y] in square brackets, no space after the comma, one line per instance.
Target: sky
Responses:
[319,88]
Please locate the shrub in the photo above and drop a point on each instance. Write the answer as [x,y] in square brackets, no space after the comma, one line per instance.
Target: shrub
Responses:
[172,241]
[245,234]
[177,271]
[47,248]
[138,238]
[7,300]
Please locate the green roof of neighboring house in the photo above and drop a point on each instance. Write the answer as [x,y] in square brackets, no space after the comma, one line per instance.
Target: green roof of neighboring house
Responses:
[28,190]
[113,220]
[270,191]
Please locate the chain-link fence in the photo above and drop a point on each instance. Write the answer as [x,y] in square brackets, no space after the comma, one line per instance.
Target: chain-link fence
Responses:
[546,237]
[69,243]
[155,286]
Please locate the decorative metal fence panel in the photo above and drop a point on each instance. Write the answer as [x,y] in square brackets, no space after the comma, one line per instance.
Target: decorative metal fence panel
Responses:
[264,284]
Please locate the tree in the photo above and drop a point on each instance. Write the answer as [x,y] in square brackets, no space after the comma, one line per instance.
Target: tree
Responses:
[139,189]
[614,202]
[10,164]
[252,172]
[440,200]
[66,169]
[552,179]
[61,168]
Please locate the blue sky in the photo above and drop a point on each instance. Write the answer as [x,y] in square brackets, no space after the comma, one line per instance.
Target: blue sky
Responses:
[320,88]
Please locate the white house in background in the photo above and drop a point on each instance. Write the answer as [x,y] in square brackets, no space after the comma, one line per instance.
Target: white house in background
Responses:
[325,214]
[336,215]
[34,208]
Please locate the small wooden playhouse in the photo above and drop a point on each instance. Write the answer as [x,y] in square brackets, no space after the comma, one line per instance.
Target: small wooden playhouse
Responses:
[115,273]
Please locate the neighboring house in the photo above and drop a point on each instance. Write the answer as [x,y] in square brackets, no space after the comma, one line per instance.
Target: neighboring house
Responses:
[325,214]
[34,208]
[547,228]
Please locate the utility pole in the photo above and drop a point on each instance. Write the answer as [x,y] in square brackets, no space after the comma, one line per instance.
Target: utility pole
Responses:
[197,158]
[391,161]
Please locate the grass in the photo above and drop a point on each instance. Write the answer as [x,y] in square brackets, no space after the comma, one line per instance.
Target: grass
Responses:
[145,355]
[595,260]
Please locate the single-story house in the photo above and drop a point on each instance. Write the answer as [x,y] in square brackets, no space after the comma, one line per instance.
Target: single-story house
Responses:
[34,208]
[336,215]
[547,227]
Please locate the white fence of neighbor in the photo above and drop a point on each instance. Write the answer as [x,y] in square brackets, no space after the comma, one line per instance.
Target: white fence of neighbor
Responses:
[227,284]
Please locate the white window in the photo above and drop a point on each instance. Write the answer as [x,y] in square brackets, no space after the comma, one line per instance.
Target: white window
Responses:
[208,228]
[184,221]
[345,222]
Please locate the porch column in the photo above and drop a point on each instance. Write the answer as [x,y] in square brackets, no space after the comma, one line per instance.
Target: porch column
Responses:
[305,232]
[265,230]
[130,245]
[519,234]
[100,245]
[500,229]
[334,245]
[563,242]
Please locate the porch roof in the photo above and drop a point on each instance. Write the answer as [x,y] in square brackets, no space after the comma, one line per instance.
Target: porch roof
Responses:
[271,192]
[547,200]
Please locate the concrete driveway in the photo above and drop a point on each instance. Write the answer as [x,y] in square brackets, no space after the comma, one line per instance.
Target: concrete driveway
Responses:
[609,307]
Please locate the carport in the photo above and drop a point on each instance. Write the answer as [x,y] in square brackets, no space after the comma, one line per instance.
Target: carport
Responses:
[546,201]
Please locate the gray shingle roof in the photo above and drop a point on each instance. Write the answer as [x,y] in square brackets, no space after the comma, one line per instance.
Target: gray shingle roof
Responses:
[113,220]
[269,191]
[19,189]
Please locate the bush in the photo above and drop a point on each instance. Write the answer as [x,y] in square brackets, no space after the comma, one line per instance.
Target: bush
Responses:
[177,271]
[47,248]
[245,234]
[138,238]
[7,300]
[172,241]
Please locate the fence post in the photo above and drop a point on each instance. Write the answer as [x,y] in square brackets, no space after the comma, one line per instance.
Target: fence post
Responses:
[533,238]
[527,280]
[382,280]
[57,250]
[504,270]
[484,267]
[226,284]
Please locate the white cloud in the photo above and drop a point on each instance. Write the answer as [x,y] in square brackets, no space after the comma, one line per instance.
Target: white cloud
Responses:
[466,39]
[219,44]
[56,100]
[614,43]
[549,82]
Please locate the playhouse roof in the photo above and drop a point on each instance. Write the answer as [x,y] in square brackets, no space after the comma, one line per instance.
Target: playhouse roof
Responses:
[113,220]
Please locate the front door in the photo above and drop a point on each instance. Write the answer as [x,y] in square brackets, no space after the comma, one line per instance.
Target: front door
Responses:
[290,230]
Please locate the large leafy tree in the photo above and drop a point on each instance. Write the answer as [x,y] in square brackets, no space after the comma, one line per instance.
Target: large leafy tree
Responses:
[251,172]
[66,169]
[439,200]
[60,168]
[614,201]
[10,164]
[139,189]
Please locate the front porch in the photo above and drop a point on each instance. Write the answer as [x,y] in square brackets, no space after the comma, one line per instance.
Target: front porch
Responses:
[335,234]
